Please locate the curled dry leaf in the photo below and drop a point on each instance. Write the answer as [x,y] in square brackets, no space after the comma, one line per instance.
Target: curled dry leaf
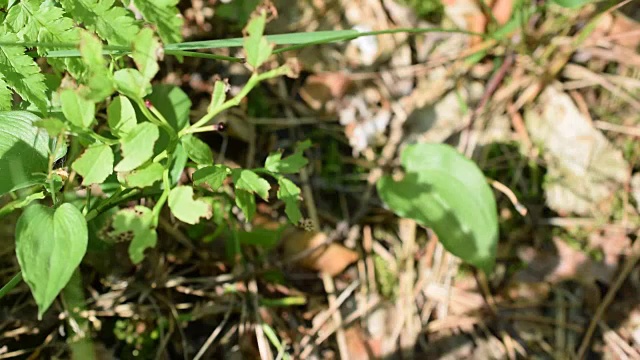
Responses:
[330,258]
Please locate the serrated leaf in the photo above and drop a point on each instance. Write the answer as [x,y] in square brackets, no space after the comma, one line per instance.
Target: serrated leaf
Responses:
[114,24]
[218,96]
[146,49]
[139,222]
[289,193]
[251,182]
[24,151]
[43,21]
[247,203]
[79,111]
[173,103]
[22,74]
[5,95]
[185,208]
[53,126]
[95,164]
[121,116]
[197,150]
[145,176]
[137,146]
[255,45]
[289,165]
[448,193]
[131,83]
[165,15]
[213,176]
[50,244]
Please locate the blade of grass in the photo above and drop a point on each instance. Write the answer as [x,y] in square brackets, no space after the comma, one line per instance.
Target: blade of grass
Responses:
[15,280]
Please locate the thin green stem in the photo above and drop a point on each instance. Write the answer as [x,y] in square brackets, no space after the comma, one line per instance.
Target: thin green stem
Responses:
[15,280]
[203,55]
[165,195]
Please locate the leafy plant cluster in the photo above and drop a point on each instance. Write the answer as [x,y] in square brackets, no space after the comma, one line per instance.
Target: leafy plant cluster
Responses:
[119,134]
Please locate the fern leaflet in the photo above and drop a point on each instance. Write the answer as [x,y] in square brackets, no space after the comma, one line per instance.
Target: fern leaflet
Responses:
[22,73]
[112,23]
[165,15]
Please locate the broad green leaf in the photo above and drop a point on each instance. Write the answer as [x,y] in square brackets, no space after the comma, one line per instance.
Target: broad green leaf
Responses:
[144,176]
[24,151]
[20,203]
[185,208]
[165,15]
[79,111]
[218,96]
[179,162]
[289,193]
[197,150]
[139,221]
[251,182]
[448,193]
[289,165]
[247,203]
[256,46]
[146,50]
[213,176]
[131,83]
[21,73]
[50,244]
[53,126]
[95,164]
[172,103]
[137,146]
[115,24]
[121,116]
[572,4]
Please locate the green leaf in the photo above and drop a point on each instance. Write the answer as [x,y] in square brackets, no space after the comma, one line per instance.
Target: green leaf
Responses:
[289,165]
[248,180]
[114,24]
[146,49]
[213,176]
[43,21]
[98,80]
[137,146]
[265,238]
[95,164]
[197,150]
[572,4]
[79,111]
[247,203]
[179,162]
[50,244]
[448,193]
[121,116]
[185,208]
[218,96]
[165,15]
[256,46]
[173,103]
[53,126]
[24,151]
[139,221]
[22,74]
[131,83]
[5,95]
[144,176]
[289,193]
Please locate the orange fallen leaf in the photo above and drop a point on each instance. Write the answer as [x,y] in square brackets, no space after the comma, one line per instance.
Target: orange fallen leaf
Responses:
[331,258]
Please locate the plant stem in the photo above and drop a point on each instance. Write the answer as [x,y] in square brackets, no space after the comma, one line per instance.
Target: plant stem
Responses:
[15,280]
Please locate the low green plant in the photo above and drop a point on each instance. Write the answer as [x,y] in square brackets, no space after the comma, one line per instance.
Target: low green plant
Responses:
[94,120]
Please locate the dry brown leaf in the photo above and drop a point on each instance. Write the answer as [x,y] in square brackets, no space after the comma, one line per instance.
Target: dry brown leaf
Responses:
[502,10]
[321,91]
[330,258]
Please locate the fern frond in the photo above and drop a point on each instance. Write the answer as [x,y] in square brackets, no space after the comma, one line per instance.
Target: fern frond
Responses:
[114,24]
[21,73]
[5,95]
[165,15]
[34,20]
